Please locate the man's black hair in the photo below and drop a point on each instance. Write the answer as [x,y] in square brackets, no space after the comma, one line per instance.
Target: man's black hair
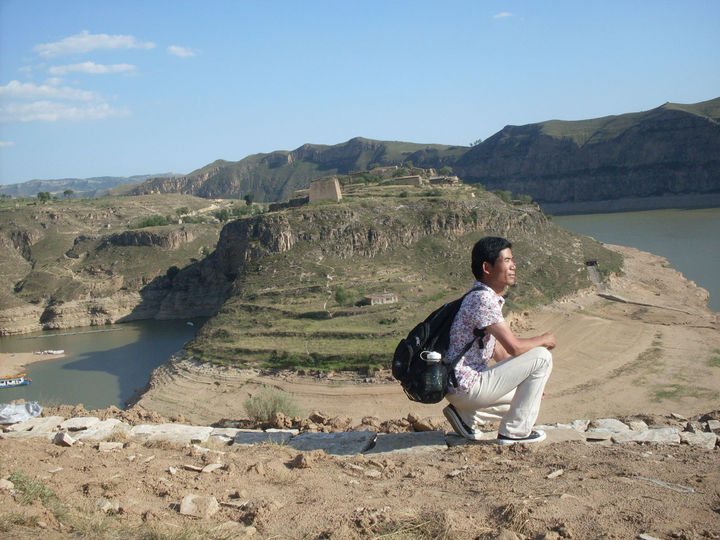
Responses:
[487,250]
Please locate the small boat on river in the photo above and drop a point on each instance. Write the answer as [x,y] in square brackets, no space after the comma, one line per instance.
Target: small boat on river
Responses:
[14,380]
[51,351]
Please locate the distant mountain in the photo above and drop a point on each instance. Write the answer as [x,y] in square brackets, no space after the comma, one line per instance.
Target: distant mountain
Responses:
[672,150]
[81,187]
[669,154]
[668,151]
[275,176]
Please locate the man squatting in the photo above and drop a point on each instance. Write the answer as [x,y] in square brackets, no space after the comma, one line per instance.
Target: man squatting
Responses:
[511,389]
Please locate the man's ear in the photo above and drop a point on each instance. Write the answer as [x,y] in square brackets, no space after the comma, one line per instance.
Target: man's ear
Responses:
[486,267]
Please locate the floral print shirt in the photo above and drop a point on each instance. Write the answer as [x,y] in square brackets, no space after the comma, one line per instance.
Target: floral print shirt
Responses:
[480,309]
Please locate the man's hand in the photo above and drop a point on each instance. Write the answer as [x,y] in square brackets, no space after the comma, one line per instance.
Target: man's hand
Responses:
[548,340]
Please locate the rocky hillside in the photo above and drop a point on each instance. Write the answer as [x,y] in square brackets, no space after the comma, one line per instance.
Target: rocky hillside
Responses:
[83,262]
[670,151]
[275,176]
[303,280]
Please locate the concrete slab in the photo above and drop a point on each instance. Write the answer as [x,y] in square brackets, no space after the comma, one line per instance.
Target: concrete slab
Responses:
[702,440]
[247,437]
[598,435]
[224,436]
[49,435]
[79,423]
[665,435]
[173,433]
[608,424]
[103,430]
[37,424]
[345,443]
[564,435]
[420,441]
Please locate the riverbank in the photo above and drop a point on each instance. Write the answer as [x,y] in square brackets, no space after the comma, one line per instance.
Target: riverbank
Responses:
[15,363]
[649,345]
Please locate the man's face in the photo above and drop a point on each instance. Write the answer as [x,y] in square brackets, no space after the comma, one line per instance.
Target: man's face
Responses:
[502,273]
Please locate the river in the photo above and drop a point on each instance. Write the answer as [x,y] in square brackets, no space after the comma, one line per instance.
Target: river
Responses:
[688,239]
[103,365]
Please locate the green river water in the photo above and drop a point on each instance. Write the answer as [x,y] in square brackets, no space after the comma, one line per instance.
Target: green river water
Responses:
[688,239]
[103,365]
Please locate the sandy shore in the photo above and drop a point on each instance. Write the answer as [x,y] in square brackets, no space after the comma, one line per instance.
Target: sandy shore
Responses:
[648,345]
[15,363]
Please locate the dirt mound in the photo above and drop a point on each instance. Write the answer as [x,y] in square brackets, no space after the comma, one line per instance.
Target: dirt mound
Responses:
[133,416]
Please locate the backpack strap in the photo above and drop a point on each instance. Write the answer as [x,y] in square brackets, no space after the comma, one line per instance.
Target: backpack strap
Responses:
[479,335]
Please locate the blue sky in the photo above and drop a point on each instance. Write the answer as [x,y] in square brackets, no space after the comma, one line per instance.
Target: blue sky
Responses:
[120,88]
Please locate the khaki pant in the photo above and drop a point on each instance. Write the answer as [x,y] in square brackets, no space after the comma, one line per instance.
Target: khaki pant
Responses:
[509,391]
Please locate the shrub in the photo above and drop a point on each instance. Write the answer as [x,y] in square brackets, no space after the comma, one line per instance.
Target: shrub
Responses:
[503,195]
[172,272]
[342,296]
[194,219]
[222,215]
[29,488]
[154,221]
[269,401]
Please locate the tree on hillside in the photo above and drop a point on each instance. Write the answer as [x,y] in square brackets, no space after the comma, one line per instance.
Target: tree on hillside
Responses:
[445,171]
[43,196]
[68,193]
[222,215]
[475,143]
[249,198]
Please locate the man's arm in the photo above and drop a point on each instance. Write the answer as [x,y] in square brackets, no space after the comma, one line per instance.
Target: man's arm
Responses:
[500,354]
[513,345]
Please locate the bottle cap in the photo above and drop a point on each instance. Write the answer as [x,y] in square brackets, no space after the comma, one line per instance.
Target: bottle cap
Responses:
[432,356]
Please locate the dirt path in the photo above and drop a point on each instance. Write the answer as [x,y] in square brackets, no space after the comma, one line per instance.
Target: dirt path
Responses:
[650,353]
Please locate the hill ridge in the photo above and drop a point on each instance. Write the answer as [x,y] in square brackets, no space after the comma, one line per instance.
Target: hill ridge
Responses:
[672,149]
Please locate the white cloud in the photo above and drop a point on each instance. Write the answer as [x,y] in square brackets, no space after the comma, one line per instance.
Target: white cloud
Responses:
[86,42]
[92,68]
[5,144]
[502,15]
[29,91]
[29,102]
[182,52]
[54,81]
[53,111]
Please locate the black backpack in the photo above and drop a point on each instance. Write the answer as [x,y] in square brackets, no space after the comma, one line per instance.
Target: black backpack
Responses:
[427,382]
